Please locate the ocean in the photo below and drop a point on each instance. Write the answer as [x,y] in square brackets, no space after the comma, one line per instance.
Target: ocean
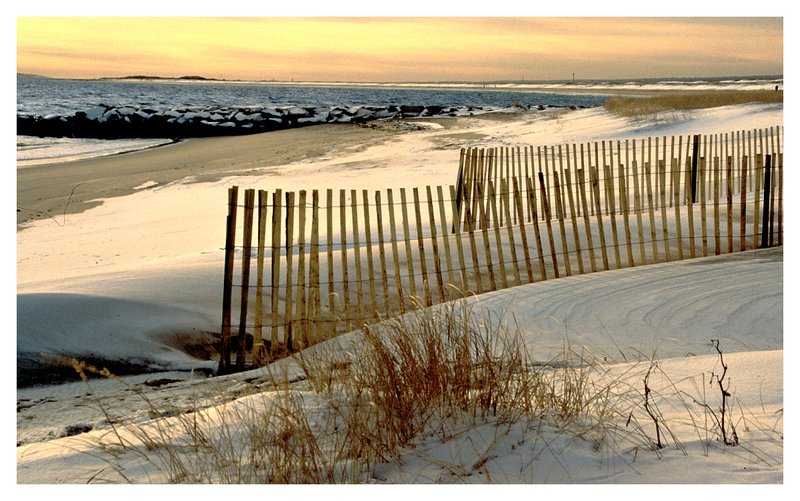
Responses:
[62,98]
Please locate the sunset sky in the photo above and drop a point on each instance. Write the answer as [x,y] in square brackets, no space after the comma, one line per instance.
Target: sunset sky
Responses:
[371,49]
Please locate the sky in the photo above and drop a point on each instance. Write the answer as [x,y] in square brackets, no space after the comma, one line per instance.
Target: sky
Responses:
[396,49]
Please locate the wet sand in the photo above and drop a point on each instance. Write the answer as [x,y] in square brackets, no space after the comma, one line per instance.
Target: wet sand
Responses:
[52,190]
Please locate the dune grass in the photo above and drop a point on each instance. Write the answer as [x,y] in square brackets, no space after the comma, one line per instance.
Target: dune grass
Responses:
[359,402]
[637,107]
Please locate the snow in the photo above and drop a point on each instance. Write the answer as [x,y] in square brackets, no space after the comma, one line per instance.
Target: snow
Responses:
[115,270]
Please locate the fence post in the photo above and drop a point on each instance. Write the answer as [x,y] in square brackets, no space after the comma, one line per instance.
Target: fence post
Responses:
[729,185]
[717,242]
[743,203]
[695,154]
[765,233]
[779,176]
[690,214]
[227,286]
[758,169]
[458,202]
[249,201]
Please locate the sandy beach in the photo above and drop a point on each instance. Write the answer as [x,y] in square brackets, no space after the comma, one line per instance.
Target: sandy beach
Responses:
[130,268]
[72,187]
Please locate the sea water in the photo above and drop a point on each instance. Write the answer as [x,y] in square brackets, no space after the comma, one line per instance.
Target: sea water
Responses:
[37,96]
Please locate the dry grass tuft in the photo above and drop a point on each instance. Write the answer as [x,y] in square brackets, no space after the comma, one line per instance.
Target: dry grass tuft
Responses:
[359,402]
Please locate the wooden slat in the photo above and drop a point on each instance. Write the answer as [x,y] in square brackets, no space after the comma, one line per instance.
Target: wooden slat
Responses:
[314,332]
[373,296]
[382,252]
[758,173]
[460,251]
[258,331]
[510,232]
[498,243]
[623,190]
[359,313]
[613,210]
[662,175]
[437,265]
[690,211]
[451,280]
[677,204]
[398,280]
[288,314]
[423,262]
[487,252]
[637,207]
[275,276]
[595,187]
[651,210]
[573,215]
[586,223]
[536,232]
[407,241]
[717,240]
[346,310]
[549,225]
[247,246]
[562,229]
[703,196]
[331,324]
[523,234]
[227,285]
[301,310]
[743,207]
[729,200]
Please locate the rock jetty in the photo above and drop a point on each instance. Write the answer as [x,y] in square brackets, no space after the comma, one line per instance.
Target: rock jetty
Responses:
[109,122]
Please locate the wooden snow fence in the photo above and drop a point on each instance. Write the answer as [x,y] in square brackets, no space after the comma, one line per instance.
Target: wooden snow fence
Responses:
[330,261]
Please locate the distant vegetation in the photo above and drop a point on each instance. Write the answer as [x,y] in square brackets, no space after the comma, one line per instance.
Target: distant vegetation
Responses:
[151,77]
[643,106]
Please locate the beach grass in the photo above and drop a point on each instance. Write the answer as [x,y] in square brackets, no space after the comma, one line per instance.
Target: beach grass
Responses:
[636,107]
[360,404]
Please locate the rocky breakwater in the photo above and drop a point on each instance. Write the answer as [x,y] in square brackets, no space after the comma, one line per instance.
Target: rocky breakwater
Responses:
[109,122]
[117,122]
